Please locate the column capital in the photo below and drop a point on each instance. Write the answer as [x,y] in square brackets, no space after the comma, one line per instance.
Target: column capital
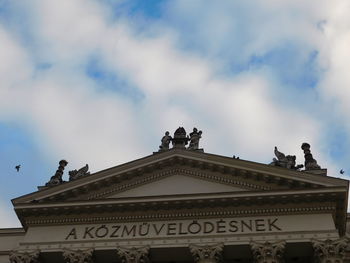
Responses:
[24,257]
[331,251]
[268,252]
[134,254]
[78,256]
[207,253]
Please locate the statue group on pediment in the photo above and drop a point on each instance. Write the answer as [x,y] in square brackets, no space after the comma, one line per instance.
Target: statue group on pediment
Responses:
[289,161]
[56,179]
[181,139]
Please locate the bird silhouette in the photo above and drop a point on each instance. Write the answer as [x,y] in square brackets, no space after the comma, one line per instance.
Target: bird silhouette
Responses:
[341,171]
[18,167]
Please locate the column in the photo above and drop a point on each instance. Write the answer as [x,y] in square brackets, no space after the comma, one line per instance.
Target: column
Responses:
[330,251]
[24,257]
[134,254]
[78,256]
[268,252]
[208,253]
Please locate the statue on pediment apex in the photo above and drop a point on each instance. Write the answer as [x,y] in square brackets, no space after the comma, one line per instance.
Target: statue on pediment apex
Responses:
[180,138]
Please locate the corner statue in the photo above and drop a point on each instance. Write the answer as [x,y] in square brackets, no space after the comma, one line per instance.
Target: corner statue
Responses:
[75,174]
[165,142]
[194,139]
[285,161]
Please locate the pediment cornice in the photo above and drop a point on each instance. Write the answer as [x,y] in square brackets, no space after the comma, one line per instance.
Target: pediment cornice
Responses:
[245,173]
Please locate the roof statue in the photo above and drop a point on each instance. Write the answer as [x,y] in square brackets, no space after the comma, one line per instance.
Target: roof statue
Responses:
[165,142]
[285,161]
[57,177]
[75,174]
[180,139]
[194,139]
[310,162]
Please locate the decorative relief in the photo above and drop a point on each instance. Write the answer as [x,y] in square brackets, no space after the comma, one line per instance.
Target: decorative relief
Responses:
[268,252]
[24,257]
[78,256]
[134,254]
[330,251]
[207,254]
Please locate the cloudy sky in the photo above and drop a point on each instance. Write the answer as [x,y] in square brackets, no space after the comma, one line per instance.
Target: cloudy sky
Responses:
[99,82]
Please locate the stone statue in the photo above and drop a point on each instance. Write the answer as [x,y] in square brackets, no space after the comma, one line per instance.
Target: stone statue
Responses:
[165,142]
[180,138]
[285,161]
[75,174]
[56,179]
[310,162]
[194,139]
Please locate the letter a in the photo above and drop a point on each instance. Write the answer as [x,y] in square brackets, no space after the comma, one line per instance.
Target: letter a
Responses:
[73,233]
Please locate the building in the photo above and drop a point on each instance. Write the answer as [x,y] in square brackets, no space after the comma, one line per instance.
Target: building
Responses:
[184,205]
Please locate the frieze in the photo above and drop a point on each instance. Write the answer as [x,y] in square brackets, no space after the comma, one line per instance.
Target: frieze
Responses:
[175,228]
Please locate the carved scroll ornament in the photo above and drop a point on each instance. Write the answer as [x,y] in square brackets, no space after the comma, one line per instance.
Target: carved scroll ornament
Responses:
[207,253]
[268,252]
[330,251]
[78,256]
[134,254]
[24,257]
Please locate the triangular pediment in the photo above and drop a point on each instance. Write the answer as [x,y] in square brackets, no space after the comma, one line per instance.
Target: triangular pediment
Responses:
[177,185]
[180,172]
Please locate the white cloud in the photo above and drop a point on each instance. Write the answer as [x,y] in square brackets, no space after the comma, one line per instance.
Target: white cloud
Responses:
[238,115]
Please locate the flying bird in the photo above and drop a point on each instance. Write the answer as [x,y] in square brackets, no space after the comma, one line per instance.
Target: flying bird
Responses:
[18,167]
[341,171]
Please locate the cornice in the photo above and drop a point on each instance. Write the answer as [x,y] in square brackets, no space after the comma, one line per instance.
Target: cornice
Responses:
[207,162]
[185,215]
[272,196]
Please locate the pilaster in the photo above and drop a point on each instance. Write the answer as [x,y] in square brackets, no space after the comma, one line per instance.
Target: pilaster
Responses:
[268,252]
[207,254]
[134,254]
[330,251]
[78,256]
[24,257]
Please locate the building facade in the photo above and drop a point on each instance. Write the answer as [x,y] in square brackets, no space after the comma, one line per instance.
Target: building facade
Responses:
[184,205]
